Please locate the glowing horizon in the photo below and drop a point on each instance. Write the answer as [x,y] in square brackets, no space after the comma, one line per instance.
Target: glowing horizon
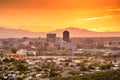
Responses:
[49,15]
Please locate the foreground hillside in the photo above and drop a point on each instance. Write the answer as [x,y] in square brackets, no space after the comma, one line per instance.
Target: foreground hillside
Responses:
[103,75]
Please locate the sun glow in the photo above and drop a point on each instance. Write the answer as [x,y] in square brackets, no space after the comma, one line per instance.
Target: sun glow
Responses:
[46,15]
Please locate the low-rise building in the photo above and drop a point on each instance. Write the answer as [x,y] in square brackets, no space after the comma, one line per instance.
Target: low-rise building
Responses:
[14,56]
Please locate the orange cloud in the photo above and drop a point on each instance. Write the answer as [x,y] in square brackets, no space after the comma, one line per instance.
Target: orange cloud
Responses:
[96,18]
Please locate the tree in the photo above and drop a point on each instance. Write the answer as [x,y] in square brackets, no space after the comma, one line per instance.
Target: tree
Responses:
[92,66]
[13,50]
[22,67]
[83,66]
[13,67]
[6,60]
[51,69]
[106,66]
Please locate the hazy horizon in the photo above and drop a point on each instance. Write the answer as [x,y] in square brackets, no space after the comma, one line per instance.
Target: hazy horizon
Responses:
[74,32]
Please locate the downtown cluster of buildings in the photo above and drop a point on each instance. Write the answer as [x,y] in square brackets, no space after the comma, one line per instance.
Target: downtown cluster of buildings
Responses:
[56,45]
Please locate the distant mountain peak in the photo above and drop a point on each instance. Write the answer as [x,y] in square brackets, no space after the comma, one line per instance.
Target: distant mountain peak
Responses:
[74,32]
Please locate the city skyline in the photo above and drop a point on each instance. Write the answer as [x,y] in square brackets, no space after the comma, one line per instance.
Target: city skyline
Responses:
[45,15]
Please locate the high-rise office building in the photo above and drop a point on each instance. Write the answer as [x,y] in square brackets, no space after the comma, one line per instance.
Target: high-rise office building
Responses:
[51,37]
[66,36]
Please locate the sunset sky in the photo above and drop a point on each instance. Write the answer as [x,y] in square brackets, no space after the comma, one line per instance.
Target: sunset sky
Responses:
[49,15]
